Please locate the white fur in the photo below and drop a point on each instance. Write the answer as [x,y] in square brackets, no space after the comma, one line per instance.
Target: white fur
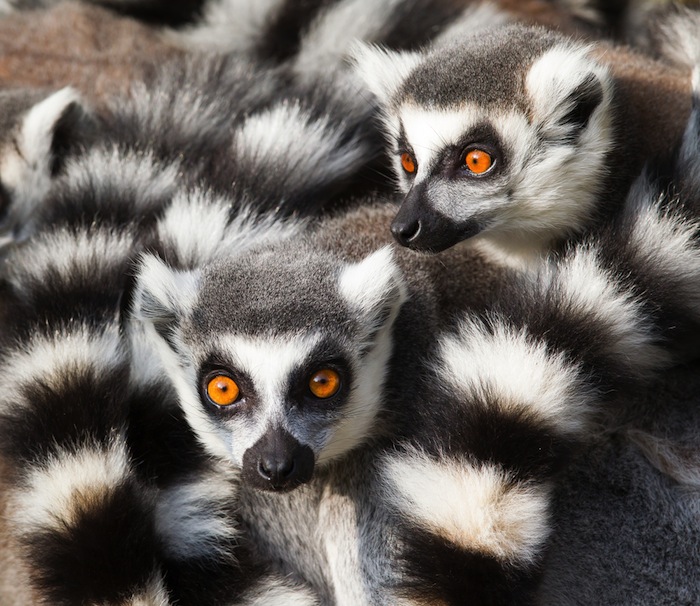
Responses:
[154,594]
[680,34]
[341,529]
[68,255]
[200,228]
[131,172]
[47,358]
[195,224]
[192,518]
[555,75]
[372,282]
[383,71]
[65,485]
[287,138]
[521,373]
[174,291]
[672,249]
[588,287]
[477,507]
[278,591]
[228,25]
[331,35]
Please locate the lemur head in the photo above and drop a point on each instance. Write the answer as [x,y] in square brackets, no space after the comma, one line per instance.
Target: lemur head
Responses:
[278,355]
[504,134]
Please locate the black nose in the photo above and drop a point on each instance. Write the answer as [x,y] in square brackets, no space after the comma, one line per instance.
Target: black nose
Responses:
[278,461]
[276,470]
[405,232]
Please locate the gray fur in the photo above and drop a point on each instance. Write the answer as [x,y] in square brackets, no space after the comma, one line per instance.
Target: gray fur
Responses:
[627,528]
[455,74]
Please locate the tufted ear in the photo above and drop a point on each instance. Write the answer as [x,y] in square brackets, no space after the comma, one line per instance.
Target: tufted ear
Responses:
[567,87]
[383,71]
[163,296]
[375,288]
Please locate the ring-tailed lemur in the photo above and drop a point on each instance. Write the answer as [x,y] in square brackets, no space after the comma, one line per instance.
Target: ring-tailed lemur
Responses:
[193,504]
[61,315]
[103,511]
[518,137]
[381,446]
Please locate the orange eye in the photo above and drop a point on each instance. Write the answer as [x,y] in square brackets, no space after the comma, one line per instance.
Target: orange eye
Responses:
[324,383]
[478,161]
[408,163]
[222,390]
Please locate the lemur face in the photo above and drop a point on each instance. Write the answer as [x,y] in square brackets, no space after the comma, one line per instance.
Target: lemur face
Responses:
[502,134]
[278,357]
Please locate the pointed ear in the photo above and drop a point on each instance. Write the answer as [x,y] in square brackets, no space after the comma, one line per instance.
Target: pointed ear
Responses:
[163,295]
[40,138]
[47,127]
[375,288]
[567,87]
[383,71]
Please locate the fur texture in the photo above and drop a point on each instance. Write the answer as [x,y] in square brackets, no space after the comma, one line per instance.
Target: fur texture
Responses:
[283,496]
[518,380]
[549,120]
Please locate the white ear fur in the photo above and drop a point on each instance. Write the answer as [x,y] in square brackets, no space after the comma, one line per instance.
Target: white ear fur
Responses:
[374,287]
[162,294]
[561,79]
[382,70]
[39,124]
[25,169]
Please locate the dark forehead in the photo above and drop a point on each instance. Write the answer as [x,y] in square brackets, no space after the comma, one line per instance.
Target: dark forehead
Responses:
[275,291]
[487,68]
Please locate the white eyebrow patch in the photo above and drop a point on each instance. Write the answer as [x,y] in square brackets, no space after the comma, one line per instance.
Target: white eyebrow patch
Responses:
[428,132]
[269,360]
